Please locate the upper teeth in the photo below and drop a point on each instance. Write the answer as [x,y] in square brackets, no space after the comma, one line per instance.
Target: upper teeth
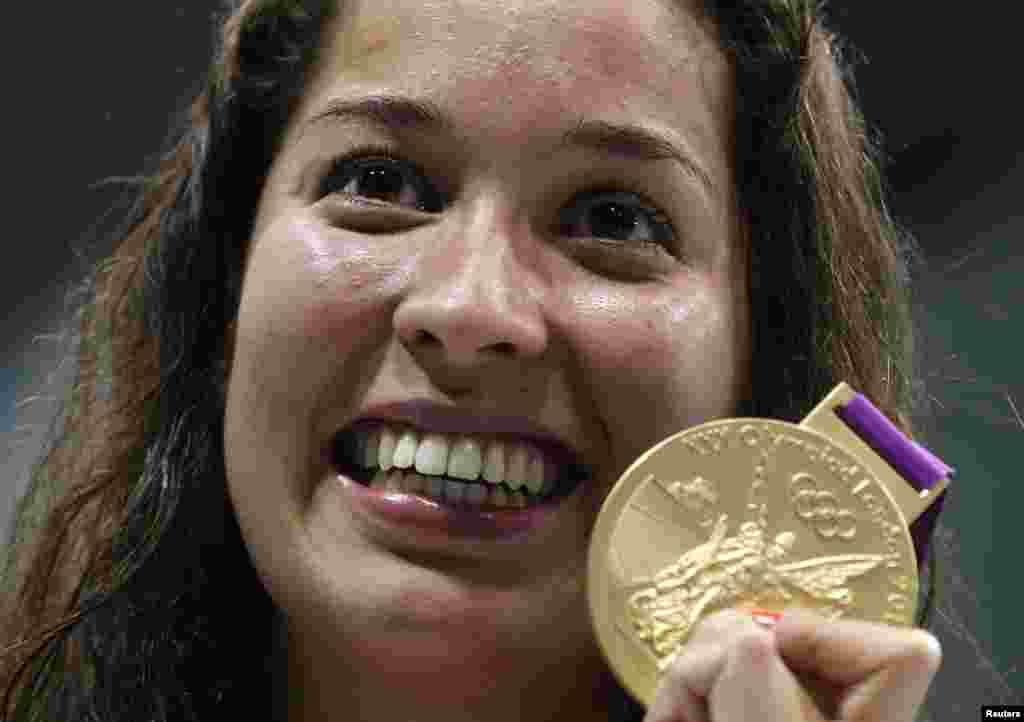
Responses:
[457,455]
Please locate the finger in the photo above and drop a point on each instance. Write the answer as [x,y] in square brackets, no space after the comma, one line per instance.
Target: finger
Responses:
[721,625]
[813,690]
[847,650]
[886,669]
[727,637]
[755,684]
[823,692]
[682,692]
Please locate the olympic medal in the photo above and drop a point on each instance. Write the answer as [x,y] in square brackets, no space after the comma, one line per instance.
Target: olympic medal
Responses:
[751,514]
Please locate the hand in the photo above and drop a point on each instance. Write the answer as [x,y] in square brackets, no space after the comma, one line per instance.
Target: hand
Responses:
[734,670]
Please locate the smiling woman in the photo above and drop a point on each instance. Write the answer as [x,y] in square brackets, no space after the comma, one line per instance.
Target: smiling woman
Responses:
[415,285]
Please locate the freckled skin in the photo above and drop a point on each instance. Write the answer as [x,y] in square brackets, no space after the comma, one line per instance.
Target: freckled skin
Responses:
[331,320]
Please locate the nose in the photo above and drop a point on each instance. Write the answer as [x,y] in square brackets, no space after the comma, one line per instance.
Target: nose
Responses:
[472,302]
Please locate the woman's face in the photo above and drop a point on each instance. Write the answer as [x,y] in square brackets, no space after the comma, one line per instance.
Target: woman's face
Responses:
[585,283]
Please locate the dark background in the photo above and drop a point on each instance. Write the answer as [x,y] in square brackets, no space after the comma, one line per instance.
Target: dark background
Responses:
[91,88]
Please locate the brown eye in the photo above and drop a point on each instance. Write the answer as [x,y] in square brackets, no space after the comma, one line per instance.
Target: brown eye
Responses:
[616,215]
[383,178]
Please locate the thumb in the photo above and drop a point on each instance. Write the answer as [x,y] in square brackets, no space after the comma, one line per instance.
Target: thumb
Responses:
[882,670]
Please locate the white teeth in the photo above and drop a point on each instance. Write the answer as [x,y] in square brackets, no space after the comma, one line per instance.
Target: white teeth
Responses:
[516,472]
[494,464]
[432,455]
[464,460]
[386,453]
[405,450]
[521,466]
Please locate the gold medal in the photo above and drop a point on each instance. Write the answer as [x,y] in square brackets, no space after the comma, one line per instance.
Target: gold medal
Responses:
[760,515]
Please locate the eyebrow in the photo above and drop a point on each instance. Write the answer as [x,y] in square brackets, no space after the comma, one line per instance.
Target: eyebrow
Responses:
[402,113]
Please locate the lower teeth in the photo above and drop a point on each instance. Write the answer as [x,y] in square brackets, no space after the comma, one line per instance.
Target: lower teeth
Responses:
[395,480]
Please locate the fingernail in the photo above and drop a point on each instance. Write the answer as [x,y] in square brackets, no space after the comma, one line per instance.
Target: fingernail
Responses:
[765,617]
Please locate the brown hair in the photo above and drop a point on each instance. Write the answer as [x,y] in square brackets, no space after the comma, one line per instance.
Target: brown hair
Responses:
[117,601]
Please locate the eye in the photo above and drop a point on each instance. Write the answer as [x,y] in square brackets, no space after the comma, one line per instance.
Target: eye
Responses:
[615,214]
[375,173]
[605,213]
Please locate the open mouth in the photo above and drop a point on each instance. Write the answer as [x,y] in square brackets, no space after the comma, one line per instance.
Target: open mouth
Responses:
[478,494]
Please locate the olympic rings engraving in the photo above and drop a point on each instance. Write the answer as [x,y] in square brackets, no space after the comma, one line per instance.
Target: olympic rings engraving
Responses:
[820,509]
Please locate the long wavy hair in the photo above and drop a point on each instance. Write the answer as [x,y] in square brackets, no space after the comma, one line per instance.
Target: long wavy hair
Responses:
[129,593]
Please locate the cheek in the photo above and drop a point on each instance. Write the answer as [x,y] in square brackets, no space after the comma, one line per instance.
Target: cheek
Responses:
[661,333]
[324,317]
[312,299]
[313,282]
[656,362]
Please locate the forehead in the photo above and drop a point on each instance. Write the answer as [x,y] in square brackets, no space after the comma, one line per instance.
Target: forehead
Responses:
[511,63]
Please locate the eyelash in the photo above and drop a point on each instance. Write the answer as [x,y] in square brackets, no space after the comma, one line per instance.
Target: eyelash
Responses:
[659,221]
[366,153]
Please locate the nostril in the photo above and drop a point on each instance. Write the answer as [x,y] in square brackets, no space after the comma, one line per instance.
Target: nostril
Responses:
[425,338]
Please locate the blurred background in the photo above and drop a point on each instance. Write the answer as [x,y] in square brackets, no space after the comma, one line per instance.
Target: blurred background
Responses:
[939,83]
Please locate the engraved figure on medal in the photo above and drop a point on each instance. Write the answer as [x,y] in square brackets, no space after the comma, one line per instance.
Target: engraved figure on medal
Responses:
[748,569]
[746,513]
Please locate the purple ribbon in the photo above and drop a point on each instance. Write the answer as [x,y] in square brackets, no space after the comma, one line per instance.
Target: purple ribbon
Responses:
[913,462]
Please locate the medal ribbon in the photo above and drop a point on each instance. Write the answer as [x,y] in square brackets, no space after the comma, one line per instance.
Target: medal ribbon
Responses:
[921,469]
[913,462]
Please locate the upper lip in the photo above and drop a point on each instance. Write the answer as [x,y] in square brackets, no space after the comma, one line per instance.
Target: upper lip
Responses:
[431,416]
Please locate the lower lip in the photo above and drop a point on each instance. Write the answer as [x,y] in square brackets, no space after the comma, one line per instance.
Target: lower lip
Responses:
[411,510]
